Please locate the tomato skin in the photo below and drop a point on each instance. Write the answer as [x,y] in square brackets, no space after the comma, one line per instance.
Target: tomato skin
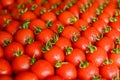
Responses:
[12,27]
[23,35]
[1,52]
[27,16]
[6,78]
[42,69]
[88,72]
[105,17]
[54,54]
[97,57]
[6,3]
[108,71]
[26,76]
[91,34]
[5,36]
[13,49]
[82,43]
[106,43]
[63,43]
[34,49]
[69,32]
[5,68]
[115,25]
[45,35]
[113,34]
[21,64]
[54,78]
[67,71]
[75,57]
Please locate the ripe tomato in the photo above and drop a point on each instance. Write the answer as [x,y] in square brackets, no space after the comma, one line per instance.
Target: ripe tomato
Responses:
[21,63]
[115,25]
[24,36]
[87,70]
[54,78]
[70,33]
[5,38]
[66,70]
[5,68]
[96,55]
[12,50]
[75,56]
[6,3]
[54,54]
[26,76]
[42,69]
[34,49]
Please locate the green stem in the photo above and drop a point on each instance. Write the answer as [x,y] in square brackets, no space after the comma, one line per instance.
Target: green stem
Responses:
[34,6]
[37,30]
[83,64]
[59,64]
[107,61]
[6,42]
[60,28]
[91,49]
[68,50]
[25,25]
[96,77]
[48,24]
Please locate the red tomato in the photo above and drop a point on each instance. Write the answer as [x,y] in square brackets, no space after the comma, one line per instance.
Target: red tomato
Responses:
[115,25]
[87,70]
[66,70]
[105,17]
[21,63]
[70,33]
[5,38]
[26,76]
[5,67]
[75,56]
[12,50]
[54,78]
[24,36]
[34,49]
[1,52]
[6,3]
[42,69]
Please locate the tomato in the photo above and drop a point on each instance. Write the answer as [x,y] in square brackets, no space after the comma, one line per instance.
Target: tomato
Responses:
[115,25]
[54,54]
[75,56]
[27,16]
[24,36]
[81,25]
[66,70]
[106,43]
[42,69]
[37,25]
[82,43]
[87,70]
[96,55]
[1,52]
[63,43]
[6,78]
[12,50]
[108,71]
[67,18]
[5,38]
[105,17]
[45,35]
[12,27]
[6,3]
[91,34]
[26,76]
[5,68]
[70,33]
[34,49]
[21,63]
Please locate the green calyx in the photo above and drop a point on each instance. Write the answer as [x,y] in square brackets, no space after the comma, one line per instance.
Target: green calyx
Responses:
[107,61]
[117,41]
[25,25]
[83,28]
[113,19]
[75,37]
[33,7]
[21,11]
[91,49]
[18,53]
[67,6]
[6,22]
[106,29]
[96,77]
[59,64]
[44,2]
[6,42]
[94,19]
[118,3]
[29,40]
[115,50]
[83,64]
[68,50]
[37,30]
[55,38]
[60,28]
[43,11]
[33,60]
[117,13]
[48,24]
[73,20]
[20,6]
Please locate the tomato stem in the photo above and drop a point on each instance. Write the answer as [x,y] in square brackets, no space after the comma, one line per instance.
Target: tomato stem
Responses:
[29,40]
[37,30]
[60,28]
[25,25]
[106,29]
[73,20]
[55,38]
[107,61]
[6,42]
[83,64]
[96,77]
[91,49]
[34,6]
[48,23]
[117,41]
[115,50]
[43,11]
[6,22]
[18,53]
[113,19]
[68,50]
[59,64]
[33,60]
